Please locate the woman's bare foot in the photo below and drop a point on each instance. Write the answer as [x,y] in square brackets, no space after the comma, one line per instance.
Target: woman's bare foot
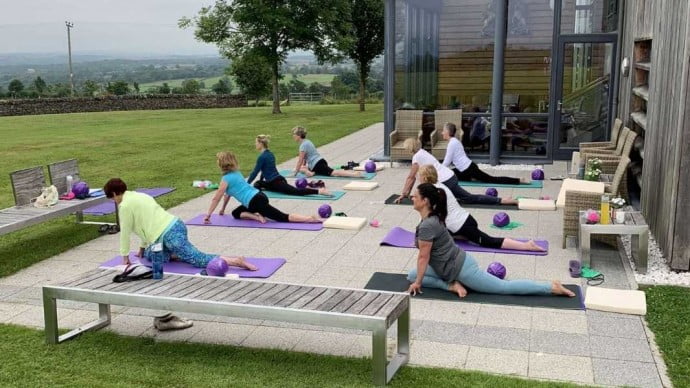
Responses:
[245,264]
[457,288]
[509,201]
[325,192]
[260,218]
[558,289]
[524,181]
[534,247]
[304,170]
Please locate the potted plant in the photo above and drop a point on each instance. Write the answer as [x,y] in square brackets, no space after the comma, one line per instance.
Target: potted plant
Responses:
[593,170]
[616,204]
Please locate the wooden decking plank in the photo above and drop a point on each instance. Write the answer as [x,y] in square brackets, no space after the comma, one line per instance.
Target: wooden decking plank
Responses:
[182,294]
[333,301]
[256,293]
[377,304]
[181,283]
[318,301]
[104,279]
[289,298]
[156,285]
[86,277]
[213,284]
[227,286]
[280,295]
[270,294]
[230,291]
[174,292]
[362,303]
[348,302]
[251,286]
[304,299]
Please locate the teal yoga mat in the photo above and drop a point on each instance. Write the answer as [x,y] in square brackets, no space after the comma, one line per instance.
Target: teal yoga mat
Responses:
[336,195]
[365,175]
[531,185]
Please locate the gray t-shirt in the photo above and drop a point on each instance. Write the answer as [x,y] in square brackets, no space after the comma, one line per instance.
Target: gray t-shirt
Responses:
[310,153]
[446,257]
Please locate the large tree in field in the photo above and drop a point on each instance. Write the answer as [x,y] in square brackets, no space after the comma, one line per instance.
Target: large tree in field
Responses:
[364,41]
[252,74]
[271,29]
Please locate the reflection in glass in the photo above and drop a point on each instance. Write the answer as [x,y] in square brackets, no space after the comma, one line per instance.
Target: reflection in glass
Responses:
[589,16]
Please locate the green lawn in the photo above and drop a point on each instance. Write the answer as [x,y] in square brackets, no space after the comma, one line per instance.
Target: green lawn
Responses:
[107,360]
[668,315]
[149,149]
[324,79]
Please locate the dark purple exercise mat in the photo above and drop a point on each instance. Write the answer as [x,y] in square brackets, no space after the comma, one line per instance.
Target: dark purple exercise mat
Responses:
[109,207]
[401,238]
[230,221]
[267,266]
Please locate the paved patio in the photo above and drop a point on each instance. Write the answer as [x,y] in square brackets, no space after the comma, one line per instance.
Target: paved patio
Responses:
[575,346]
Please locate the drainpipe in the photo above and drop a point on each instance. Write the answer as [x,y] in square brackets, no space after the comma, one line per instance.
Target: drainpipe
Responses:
[617,69]
[389,74]
[501,24]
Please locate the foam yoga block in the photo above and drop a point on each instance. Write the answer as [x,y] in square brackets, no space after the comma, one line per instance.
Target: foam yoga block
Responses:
[536,204]
[361,186]
[616,301]
[578,185]
[350,223]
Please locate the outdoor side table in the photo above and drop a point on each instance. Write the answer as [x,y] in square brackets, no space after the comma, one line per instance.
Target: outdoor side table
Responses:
[634,225]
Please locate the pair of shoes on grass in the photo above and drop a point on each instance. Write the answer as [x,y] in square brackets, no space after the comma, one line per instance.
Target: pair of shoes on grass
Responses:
[171,322]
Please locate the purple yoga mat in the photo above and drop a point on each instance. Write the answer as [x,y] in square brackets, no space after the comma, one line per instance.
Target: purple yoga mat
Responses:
[401,238]
[227,220]
[267,266]
[109,207]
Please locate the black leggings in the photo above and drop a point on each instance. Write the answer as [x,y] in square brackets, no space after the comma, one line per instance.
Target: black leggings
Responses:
[259,204]
[467,198]
[474,173]
[470,230]
[280,185]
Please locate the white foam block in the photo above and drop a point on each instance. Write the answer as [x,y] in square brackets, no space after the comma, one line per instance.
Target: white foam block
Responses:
[578,185]
[350,223]
[379,166]
[536,204]
[361,186]
[616,301]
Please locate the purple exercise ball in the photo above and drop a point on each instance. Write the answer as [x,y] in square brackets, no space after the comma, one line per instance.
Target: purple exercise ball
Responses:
[217,267]
[538,174]
[80,190]
[325,210]
[301,183]
[492,192]
[497,269]
[501,219]
[370,166]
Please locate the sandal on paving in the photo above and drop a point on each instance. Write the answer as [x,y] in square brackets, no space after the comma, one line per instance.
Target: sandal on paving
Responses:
[171,322]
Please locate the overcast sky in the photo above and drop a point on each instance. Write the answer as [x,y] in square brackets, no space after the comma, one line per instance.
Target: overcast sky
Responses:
[142,26]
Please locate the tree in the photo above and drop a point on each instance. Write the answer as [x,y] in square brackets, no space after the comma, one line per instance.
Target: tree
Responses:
[118,88]
[60,90]
[164,89]
[252,74]
[135,85]
[89,88]
[297,86]
[2,92]
[339,88]
[223,86]
[40,85]
[190,86]
[364,41]
[15,87]
[270,30]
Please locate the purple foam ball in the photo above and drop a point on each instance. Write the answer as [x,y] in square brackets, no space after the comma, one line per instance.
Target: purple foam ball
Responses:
[217,267]
[497,269]
[538,174]
[80,190]
[501,219]
[492,192]
[325,210]
[301,183]
[370,166]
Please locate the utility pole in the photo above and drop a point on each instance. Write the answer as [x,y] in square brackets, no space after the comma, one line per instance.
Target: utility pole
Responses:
[69,51]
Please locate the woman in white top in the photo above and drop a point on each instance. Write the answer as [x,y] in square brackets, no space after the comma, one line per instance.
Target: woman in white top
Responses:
[462,225]
[421,157]
[465,169]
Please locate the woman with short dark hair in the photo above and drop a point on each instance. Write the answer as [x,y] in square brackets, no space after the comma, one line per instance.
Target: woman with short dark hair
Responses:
[310,162]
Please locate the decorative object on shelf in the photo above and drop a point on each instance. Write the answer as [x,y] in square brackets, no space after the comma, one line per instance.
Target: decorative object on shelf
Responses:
[618,214]
[592,216]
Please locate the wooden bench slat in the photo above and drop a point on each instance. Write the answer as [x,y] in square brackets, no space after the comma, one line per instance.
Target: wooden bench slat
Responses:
[235,288]
[213,284]
[83,278]
[225,287]
[160,287]
[182,288]
[198,285]
[178,285]
[377,304]
[256,293]
[318,301]
[270,294]
[306,298]
[293,296]
[362,303]
[99,281]
[348,302]
[333,301]
[394,307]
[153,285]
[251,286]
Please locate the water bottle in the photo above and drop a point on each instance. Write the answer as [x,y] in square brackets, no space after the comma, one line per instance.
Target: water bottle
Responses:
[157,260]
[605,210]
[70,180]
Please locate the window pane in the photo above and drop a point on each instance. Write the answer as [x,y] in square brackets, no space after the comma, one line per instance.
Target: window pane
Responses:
[589,16]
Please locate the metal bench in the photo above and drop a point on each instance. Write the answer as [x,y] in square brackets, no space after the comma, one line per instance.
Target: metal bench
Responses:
[374,311]
[27,184]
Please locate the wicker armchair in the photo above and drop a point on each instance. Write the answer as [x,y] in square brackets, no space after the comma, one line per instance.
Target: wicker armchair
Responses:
[610,160]
[605,145]
[576,201]
[408,124]
[441,117]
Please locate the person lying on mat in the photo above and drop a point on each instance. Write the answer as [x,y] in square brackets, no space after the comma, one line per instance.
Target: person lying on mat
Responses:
[464,168]
[310,163]
[270,178]
[254,203]
[140,214]
[462,225]
[442,264]
[420,157]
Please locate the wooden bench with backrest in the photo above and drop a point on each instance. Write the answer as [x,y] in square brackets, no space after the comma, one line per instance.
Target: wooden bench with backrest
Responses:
[368,310]
[28,184]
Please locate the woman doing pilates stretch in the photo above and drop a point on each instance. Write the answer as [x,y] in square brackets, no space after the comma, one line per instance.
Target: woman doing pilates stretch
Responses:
[142,215]
[462,225]
[421,157]
[442,264]
[270,179]
[310,163]
[254,204]
[464,168]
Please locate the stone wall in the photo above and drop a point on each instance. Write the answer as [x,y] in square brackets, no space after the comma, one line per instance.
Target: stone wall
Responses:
[39,106]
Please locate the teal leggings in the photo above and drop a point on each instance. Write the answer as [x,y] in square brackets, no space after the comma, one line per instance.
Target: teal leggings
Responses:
[472,277]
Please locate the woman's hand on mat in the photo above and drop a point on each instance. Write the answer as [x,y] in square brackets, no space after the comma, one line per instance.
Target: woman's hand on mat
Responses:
[415,288]
[207,220]
[125,260]
[221,213]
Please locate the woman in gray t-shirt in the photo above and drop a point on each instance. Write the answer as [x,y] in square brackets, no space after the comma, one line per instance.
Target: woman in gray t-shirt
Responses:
[310,163]
[442,264]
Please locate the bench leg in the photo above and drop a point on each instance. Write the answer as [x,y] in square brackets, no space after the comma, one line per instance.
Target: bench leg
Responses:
[379,357]
[102,321]
[50,319]
[585,248]
[639,248]
[384,370]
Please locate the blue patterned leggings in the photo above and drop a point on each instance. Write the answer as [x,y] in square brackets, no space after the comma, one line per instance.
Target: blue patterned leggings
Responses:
[175,241]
